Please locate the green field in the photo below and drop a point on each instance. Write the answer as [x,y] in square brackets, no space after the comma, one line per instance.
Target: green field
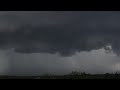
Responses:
[73,75]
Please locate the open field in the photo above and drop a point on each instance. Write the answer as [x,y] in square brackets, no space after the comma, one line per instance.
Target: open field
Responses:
[73,75]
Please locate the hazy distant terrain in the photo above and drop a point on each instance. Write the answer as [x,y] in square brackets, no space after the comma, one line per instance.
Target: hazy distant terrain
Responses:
[73,75]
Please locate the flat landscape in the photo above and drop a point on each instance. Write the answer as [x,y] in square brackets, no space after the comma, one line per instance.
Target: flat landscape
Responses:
[73,75]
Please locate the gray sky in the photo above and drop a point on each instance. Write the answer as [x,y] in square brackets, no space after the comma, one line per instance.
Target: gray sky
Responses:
[59,41]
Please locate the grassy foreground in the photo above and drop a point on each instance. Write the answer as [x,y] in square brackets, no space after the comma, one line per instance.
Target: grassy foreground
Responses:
[73,75]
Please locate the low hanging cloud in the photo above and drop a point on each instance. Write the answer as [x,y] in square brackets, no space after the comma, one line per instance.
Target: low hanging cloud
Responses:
[59,32]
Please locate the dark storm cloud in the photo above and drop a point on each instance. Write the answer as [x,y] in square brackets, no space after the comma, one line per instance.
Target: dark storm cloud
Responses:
[59,32]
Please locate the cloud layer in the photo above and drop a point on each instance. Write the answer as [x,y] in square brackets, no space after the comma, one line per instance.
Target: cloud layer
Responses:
[59,32]
[33,43]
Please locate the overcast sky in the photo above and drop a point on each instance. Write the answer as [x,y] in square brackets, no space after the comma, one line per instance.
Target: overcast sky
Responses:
[59,41]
